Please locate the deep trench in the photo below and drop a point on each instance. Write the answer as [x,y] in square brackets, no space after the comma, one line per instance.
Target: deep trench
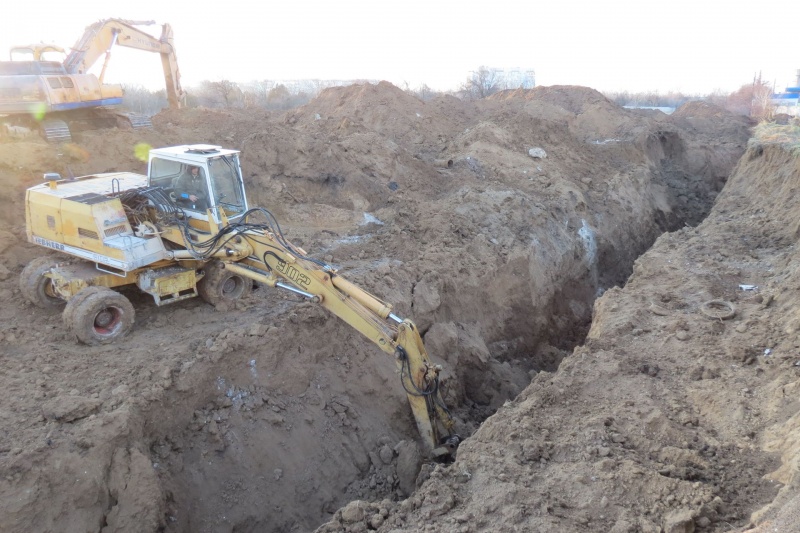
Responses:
[217,457]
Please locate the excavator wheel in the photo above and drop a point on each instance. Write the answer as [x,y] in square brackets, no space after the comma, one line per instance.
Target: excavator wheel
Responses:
[98,315]
[75,301]
[221,286]
[38,288]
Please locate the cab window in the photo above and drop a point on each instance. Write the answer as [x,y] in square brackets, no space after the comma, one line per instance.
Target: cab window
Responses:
[163,172]
[226,185]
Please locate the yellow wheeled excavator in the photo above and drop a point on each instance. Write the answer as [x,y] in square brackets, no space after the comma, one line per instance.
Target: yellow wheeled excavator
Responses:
[54,96]
[184,230]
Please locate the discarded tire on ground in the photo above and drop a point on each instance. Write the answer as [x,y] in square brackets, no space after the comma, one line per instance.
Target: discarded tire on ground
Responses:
[718,309]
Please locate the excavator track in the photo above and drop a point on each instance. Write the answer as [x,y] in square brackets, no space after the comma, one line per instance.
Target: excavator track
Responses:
[137,120]
[55,131]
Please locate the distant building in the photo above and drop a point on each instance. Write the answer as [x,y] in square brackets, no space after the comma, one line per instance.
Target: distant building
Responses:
[522,78]
[787,101]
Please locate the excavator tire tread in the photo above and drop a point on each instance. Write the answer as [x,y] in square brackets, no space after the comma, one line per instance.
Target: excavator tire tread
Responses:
[221,286]
[102,317]
[36,287]
[75,302]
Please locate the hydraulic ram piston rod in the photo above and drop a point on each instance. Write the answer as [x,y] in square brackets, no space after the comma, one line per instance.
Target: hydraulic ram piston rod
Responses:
[295,290]
[257,275]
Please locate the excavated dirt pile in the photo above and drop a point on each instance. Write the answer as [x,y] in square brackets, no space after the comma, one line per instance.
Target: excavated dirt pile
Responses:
[494,225]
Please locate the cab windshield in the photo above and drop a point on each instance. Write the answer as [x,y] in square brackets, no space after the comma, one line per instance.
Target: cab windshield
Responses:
[226,185]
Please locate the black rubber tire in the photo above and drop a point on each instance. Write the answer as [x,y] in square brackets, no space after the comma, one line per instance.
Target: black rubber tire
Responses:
[36,287]
[221,286]
[99,315]
[74,302]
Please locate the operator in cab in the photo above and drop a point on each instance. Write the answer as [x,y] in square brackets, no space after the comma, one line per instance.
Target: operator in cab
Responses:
[191,189]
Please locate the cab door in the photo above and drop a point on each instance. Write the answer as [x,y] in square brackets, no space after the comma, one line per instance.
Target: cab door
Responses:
[227,186]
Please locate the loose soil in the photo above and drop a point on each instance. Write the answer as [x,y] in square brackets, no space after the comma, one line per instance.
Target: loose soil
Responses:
[276,416]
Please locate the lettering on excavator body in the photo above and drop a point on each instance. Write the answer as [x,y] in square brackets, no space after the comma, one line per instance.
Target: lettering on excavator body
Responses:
[144,43]
[293,274]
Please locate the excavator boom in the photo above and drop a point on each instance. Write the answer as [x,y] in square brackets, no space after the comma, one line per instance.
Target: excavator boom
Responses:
[100,37]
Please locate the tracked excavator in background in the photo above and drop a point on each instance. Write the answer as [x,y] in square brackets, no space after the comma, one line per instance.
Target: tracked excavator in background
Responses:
[57,97]
[178,233]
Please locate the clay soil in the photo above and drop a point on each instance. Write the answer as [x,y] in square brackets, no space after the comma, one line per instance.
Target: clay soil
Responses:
[618,320]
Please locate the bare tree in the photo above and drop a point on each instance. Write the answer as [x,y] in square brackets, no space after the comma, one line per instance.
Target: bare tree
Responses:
[650,98]
[482,83]
[279,98]
[752,99]
[256,92]
[425,93]
[222,93]
[761,106]
[313,87]
[141,100]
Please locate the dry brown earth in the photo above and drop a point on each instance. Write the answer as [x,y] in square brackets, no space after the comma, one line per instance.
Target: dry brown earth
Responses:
[273,415]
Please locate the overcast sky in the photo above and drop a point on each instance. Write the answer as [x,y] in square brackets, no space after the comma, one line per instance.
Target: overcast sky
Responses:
[694,46]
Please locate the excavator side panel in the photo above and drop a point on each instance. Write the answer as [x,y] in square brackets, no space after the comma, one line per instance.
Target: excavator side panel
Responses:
[22,94]
[78,218]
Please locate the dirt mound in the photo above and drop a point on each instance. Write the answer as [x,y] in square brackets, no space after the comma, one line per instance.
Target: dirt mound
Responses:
[275,414]
[381,104]
[701,109]
[382,109]
[573,99]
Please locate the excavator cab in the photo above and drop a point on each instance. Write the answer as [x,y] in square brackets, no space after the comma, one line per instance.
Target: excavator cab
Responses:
[37,52]
[218,187]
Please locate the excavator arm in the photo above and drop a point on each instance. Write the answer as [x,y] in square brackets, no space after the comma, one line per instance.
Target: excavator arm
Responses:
[100,37]
[260,252]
